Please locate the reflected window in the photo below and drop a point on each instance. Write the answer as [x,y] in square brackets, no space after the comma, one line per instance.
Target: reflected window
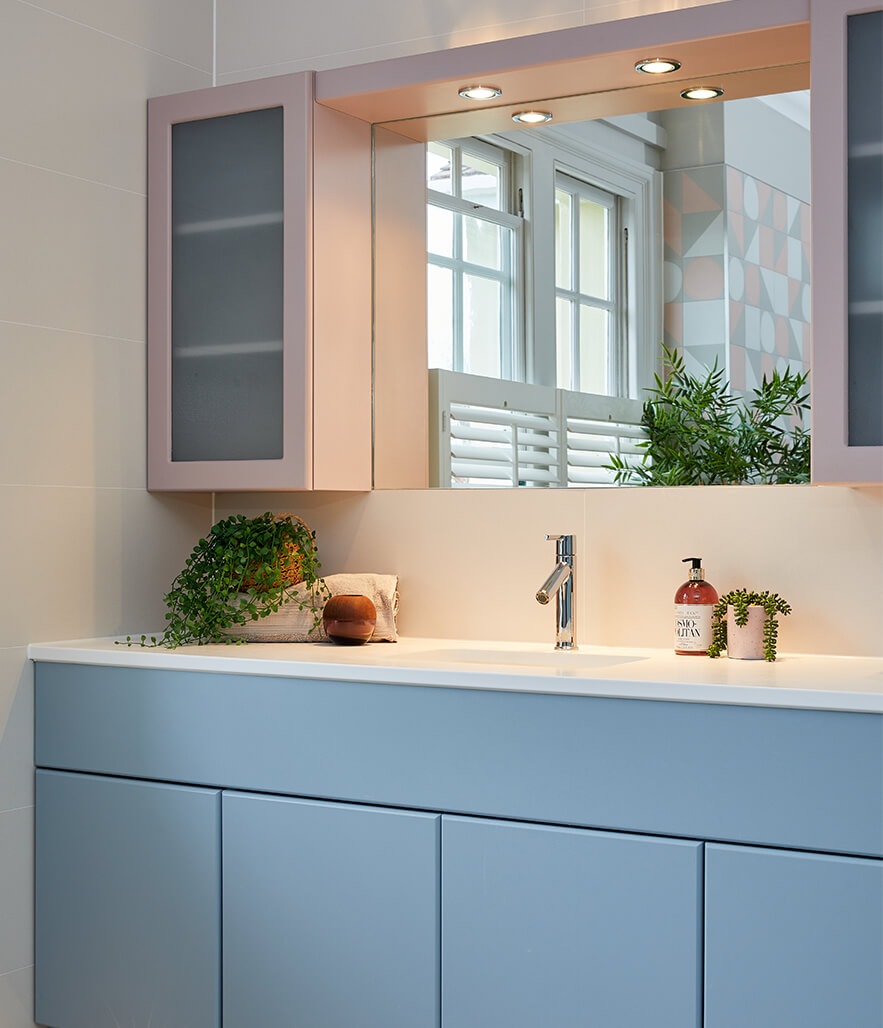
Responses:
[474,255]
[590,310]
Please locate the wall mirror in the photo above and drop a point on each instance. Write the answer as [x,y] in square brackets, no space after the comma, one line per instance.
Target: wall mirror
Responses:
[558,258]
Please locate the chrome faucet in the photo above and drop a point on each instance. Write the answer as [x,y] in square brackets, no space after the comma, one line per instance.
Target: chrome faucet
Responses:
[560,585]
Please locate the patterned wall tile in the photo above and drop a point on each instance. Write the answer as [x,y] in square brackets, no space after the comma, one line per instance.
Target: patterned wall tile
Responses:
[704,278]
[737,254]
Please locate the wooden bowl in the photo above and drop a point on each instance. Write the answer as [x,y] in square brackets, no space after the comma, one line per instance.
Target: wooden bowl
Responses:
[349,620]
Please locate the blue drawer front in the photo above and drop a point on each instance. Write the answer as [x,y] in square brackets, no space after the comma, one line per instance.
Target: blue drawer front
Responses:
[792,939]
[797,778]
[568,927]
[331,915]
[128,928]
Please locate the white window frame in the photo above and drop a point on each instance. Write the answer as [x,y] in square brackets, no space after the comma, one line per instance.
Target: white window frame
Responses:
[616,286]
[511,274]
[559,148]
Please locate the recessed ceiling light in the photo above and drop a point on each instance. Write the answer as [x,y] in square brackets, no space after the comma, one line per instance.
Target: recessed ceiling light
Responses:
[657,65]
[480,92]
[532,117]
[702,93]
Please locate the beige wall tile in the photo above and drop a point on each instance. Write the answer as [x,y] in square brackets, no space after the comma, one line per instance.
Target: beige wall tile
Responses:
[16,730]
[74,408]
[179,30]
[87,562]
[470,561]
[820,548]
[277,42]
[72,99]
[16,889]
[73,253]
[17,998]
[273,32]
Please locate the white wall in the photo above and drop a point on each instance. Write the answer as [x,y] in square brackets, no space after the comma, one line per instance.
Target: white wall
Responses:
[272,37]
[84,550]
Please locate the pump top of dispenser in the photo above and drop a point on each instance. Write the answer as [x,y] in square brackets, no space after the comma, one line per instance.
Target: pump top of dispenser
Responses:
[697,574]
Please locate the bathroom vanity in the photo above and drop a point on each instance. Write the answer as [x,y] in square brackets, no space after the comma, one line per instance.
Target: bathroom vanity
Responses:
[438,834]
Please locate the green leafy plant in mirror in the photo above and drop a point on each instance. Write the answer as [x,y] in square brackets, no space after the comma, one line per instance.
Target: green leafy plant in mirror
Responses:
[700,434]
[237,574]
[740,600]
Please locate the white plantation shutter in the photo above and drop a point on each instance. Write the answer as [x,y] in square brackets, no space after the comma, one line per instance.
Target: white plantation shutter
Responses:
[487,432]
[597,427]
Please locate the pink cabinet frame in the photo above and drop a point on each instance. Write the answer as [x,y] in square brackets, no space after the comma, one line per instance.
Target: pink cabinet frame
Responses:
[331,449]
[834,460]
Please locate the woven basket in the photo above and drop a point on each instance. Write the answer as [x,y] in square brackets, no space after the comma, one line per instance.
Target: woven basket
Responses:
[289,563]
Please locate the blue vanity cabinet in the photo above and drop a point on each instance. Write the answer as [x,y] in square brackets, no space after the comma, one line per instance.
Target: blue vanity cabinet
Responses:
[792,939]
[331,914]
[127,913]
[568,927]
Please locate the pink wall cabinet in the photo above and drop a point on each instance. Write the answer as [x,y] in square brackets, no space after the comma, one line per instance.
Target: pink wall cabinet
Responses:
[259,353]
[847,231]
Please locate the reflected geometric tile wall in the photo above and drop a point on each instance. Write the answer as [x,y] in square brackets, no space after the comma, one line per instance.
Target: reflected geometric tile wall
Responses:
[768,279]
[737,278]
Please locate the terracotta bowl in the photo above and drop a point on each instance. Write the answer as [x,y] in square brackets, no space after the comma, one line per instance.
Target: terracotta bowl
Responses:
[349,620]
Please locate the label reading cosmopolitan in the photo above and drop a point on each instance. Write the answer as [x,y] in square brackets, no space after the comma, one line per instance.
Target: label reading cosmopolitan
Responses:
[693,627]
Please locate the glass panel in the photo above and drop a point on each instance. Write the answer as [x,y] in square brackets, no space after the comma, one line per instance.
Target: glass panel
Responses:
[865,193]
[564,342]
[481,242]
[227,287]
[563,241]
[481,181]
[593,229]
[438,167]
[439,231]
[481,326]
[440,308]
[593,349]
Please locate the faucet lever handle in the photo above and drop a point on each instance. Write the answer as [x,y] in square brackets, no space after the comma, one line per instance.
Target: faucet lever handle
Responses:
[563,544]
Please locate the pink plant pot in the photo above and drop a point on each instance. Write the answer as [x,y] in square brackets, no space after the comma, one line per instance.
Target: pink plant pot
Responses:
[746,642]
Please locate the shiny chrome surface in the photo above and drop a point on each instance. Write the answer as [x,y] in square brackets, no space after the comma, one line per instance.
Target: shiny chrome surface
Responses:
[560,585]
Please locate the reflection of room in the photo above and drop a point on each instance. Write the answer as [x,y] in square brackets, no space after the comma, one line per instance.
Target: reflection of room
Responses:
[737,242]
[560,257]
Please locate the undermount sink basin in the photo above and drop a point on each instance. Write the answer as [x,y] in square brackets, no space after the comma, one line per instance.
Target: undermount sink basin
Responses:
[527,658]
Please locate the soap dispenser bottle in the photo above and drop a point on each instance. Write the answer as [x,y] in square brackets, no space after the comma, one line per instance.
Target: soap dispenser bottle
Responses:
[694,603]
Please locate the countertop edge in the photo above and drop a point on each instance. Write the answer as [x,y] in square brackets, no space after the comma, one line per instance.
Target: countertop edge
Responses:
[489,678]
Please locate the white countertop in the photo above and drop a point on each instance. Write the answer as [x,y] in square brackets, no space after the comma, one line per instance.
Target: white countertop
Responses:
[794,680]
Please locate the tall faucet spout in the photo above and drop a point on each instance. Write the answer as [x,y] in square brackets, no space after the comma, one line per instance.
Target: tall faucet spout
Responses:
[560,585]
[554,582]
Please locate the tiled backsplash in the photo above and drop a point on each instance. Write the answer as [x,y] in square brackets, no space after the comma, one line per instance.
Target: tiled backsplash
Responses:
[471,560]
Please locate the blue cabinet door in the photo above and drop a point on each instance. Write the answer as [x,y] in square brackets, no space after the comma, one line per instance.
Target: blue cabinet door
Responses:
[127,911]
[331,915]
[563,927]
[792,939]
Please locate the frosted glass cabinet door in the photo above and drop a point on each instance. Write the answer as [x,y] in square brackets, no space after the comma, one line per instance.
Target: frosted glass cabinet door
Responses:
[330,915]
[229,312]
[127,913]
[792,939]
[847,240]
[547,926]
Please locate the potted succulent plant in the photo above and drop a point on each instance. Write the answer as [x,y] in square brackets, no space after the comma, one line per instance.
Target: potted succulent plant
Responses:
[243,570]
[745,624]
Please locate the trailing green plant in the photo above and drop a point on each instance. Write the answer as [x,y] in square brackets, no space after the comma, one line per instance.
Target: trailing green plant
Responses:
[740,600]
[237,574]
[698,433]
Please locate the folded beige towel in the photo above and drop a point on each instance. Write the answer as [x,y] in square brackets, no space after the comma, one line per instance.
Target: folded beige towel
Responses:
[291,624]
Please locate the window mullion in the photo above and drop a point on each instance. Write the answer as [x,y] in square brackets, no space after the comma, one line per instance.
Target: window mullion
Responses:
[575,371]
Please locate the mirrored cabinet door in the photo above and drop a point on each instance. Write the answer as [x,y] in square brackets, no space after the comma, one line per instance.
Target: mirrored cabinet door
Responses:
[847,101]
[229,300]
